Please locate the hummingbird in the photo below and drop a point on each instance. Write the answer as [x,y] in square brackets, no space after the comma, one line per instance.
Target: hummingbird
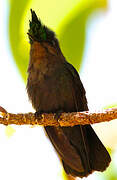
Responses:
[54,86]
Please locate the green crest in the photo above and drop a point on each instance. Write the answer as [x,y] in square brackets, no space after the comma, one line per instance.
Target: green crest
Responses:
[36,30]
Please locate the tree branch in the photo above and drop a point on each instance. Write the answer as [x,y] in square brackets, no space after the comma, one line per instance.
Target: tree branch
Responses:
[66,119]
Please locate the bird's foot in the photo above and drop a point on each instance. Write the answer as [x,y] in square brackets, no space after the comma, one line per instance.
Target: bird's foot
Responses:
[58,114]
[38,115]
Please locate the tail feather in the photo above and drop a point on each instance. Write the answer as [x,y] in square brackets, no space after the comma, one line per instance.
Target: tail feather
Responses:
[78,160]
[75,173]
[99,156]
[64,148]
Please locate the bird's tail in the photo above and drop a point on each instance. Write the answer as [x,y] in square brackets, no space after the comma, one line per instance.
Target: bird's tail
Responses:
[80,149]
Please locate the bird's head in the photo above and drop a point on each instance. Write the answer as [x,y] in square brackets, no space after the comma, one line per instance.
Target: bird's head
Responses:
[39,32]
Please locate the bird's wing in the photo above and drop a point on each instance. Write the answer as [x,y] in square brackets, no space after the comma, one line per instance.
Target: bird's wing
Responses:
[94,156]
[78,91]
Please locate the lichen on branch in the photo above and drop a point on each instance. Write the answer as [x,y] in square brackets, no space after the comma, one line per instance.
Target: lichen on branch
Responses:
[65,119]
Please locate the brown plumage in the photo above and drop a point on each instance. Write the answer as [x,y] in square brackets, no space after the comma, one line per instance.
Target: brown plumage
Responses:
[54,85]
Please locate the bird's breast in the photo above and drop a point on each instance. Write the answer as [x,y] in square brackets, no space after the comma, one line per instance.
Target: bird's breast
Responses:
[51,90]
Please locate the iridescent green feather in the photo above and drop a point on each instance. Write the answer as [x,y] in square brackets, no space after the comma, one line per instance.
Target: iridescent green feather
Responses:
[36,30]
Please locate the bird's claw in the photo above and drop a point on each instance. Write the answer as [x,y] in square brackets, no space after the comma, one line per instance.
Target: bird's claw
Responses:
[58,114]
[38,115]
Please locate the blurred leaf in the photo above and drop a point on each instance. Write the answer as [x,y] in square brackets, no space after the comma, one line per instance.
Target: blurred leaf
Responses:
[20,51]
[9,131]
[72,32]
[111,106]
